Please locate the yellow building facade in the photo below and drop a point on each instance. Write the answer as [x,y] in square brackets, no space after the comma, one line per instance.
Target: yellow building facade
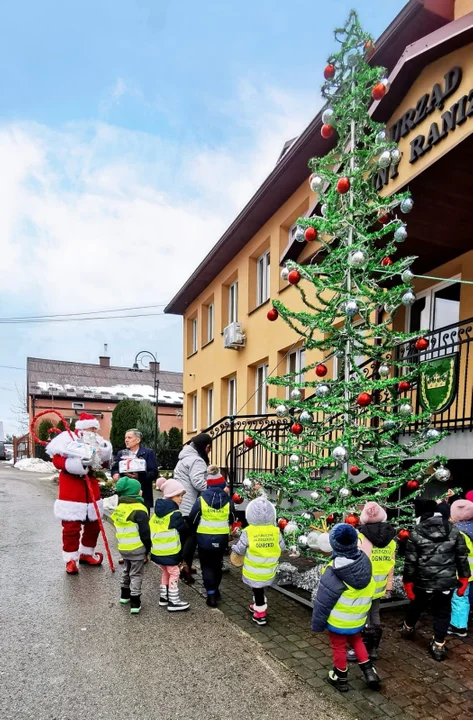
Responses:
[428,52]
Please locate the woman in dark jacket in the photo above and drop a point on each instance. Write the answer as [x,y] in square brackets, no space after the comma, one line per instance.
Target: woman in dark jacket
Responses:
[436,564]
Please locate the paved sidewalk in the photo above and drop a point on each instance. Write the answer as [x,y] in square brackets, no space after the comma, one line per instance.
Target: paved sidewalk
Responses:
[415,687]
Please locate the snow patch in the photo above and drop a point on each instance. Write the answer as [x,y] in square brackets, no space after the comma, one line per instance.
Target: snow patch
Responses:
[138,392]
[35,465]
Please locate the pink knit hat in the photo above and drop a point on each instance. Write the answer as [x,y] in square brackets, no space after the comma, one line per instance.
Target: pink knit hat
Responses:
[160,482]
[171,488]
[373,513]
[461,510]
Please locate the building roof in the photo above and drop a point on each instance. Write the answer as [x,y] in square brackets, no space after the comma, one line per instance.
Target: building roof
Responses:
[87,381]
[417,19]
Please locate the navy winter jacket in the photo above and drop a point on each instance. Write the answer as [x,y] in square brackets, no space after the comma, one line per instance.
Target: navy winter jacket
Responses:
[163,507]
[356,573]
[217,498]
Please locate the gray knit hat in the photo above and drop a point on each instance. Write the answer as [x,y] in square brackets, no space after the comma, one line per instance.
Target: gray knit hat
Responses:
[260,512]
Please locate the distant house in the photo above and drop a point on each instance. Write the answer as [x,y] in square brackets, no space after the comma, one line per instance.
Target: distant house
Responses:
[72,388]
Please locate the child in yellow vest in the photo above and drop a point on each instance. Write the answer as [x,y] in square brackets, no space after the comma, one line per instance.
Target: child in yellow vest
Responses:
[261,544]
[133,539]
[461,513]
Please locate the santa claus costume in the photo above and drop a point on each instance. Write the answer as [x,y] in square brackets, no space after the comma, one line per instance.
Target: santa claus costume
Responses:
[74,458]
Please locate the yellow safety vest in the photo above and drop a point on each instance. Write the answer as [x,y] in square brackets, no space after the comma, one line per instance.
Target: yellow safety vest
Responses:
[469,544]
[128,536]
[349,614]
[263,553]
[214,521]
[382,560]
[164,541]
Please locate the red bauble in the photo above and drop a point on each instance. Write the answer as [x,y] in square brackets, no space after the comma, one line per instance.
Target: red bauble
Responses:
[329,72]
[386,261]
[379,91]
[237,499]
[328,490]
[330,519]
[352,519]
[310,234]
[354,470]
[321,370]
[272,314]
[383,218]
[422,344]
[297,428]
[250,442]
[369,49]
[403,534]
[343,185]
[282,522]
[327,131]
[412,485]
[364,399]
[403,386]
[294,277]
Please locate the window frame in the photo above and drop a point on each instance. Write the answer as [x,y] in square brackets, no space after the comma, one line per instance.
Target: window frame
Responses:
[300,363]
[233,302]
[194,413]
[210,322]
[194,335]
[263,277]
[210,406]
[232,396]
[261,389]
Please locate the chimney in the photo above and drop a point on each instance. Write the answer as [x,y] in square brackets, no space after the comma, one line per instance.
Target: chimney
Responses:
[104,359]
[153,367]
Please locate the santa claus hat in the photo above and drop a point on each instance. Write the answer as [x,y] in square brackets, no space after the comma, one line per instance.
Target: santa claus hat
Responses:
[86,420]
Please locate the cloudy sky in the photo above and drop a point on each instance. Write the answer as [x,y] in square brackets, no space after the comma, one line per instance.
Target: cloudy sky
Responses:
[131,134]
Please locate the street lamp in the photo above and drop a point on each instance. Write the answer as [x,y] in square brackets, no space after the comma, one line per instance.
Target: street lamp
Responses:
[152,359]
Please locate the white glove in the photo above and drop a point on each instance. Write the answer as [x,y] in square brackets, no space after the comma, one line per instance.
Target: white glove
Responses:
[74,466]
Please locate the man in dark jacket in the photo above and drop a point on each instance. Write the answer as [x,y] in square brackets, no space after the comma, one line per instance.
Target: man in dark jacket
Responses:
[147,476]
[436,563]
[210,519]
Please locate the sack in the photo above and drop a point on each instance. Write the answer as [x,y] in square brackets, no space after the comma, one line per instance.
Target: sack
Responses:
[237,560]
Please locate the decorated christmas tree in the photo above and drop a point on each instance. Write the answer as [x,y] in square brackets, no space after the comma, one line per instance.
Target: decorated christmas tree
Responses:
[348,441]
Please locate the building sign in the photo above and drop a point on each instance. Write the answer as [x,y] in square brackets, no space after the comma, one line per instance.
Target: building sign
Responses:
[420,144]
[438,383]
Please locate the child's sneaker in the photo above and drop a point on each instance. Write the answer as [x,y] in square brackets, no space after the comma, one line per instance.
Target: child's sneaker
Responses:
[459,632]
[163,596]
[260,618]
[175,604]
[135,604]
[125,595]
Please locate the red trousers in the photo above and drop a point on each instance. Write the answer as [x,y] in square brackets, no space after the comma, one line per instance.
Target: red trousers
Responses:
[339,648]
[71,539]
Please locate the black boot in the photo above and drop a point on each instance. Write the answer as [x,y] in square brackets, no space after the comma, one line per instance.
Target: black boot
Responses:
[376,639]
[438,652]
[212,600]
[371,676]
[339,679]
[135,604]
[125,595]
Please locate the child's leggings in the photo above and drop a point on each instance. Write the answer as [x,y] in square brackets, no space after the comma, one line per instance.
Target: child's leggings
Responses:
[170,576]
[339,648]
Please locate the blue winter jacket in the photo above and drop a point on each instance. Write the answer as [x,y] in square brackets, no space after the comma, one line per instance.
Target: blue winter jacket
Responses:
[217,498]
[163,507]
[354,572]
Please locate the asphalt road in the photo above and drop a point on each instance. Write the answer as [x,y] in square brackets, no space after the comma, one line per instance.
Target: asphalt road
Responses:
[70,651]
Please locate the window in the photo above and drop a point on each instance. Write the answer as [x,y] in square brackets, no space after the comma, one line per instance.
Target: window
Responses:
[435,308]
[194,345]
[210,322]
[261,396]
[232,396]
[339,363]
[233,303]
[263,278]
[194,413]
[296,364]
[210,406]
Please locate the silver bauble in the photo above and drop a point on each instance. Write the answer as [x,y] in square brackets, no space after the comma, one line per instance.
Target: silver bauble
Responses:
[381,137]
[383,370]
[293,482]
[408,298]
[395,156]
[339,453]
[293,551]
[386,83]
[344,492]
[290,528]
[307,516]
[314,495]
[340,353]
[389,424]
[296,394]
[316,183]
[303,541]
[352,59]
[407,204]
[313,539]
[282,411]
[384,159]
[322,390]
[324,543]
[284,274]
[405,409]
[294,459]
[327,116]
[351,308]
[357,258]
[299,235]
[443,474]
[400,234]
[306,418]
[324,209]
[432,434]
[407,276]
[247,483]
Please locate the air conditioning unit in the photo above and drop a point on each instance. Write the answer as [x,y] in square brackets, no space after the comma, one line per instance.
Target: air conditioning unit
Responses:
[77,406]
[233,336]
